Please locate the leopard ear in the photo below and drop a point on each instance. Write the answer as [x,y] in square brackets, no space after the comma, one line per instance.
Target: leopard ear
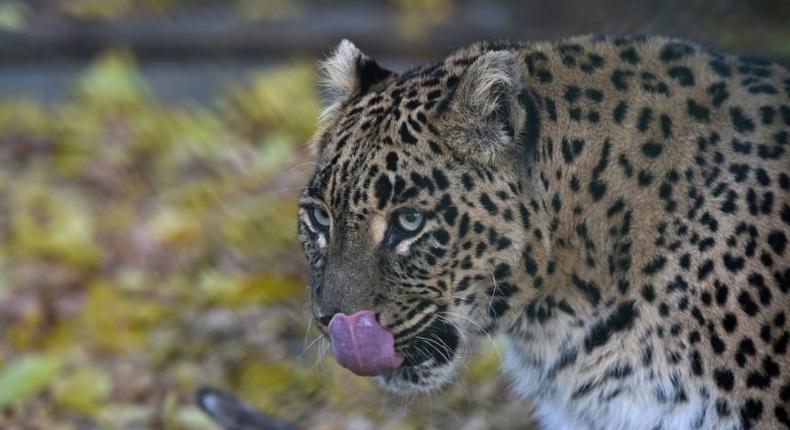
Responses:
[483,116]
[348,72]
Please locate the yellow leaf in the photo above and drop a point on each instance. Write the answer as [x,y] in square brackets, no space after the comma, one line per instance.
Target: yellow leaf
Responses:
[83,390]
[176,229]
[192,418]
[261,223]
[245,289]
[107,320]
[53,223]
[274,386]
[117,416]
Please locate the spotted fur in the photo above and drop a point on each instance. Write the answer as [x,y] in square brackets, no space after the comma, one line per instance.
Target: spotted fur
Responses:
[617,207]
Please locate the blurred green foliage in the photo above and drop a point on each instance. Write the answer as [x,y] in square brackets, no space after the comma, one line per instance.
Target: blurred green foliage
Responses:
[146,249]
[25,376]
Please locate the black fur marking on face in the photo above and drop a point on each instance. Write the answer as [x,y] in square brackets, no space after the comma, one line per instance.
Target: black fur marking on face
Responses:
[383,191]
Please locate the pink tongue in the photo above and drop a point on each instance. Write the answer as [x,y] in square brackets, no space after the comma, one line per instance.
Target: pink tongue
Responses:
[361,345]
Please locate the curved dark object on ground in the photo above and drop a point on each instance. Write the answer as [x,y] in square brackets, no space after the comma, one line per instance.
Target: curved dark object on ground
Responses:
[234,414]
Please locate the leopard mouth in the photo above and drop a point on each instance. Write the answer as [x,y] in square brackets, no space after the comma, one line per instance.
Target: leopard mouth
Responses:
[430,358]
[420,359]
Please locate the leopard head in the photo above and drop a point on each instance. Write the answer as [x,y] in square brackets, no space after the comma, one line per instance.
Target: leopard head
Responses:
[414,213]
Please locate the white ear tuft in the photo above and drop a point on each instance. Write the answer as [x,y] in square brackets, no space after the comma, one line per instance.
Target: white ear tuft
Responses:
[347,72]
[339,75]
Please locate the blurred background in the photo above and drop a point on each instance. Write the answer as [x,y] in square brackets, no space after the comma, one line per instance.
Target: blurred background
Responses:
[151,152]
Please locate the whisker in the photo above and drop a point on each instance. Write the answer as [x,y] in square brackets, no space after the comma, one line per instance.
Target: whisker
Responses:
[307,333]
[307,347]
[322,350]
[496,286]
[441,347]
[464,337]
[479,327]
[287,189]
[306,163]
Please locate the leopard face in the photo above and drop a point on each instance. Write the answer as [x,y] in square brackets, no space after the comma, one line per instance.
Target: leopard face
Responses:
[404,214]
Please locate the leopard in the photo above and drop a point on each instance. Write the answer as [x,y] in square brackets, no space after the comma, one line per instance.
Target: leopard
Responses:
[617,208]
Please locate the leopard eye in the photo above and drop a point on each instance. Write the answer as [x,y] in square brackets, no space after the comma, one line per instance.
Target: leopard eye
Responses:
[409,221]
[320,217]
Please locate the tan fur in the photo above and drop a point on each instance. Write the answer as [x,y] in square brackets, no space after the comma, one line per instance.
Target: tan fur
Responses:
[587,199]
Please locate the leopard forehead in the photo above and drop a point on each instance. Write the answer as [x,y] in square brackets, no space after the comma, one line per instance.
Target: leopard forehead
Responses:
[396,125]
[390,129]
